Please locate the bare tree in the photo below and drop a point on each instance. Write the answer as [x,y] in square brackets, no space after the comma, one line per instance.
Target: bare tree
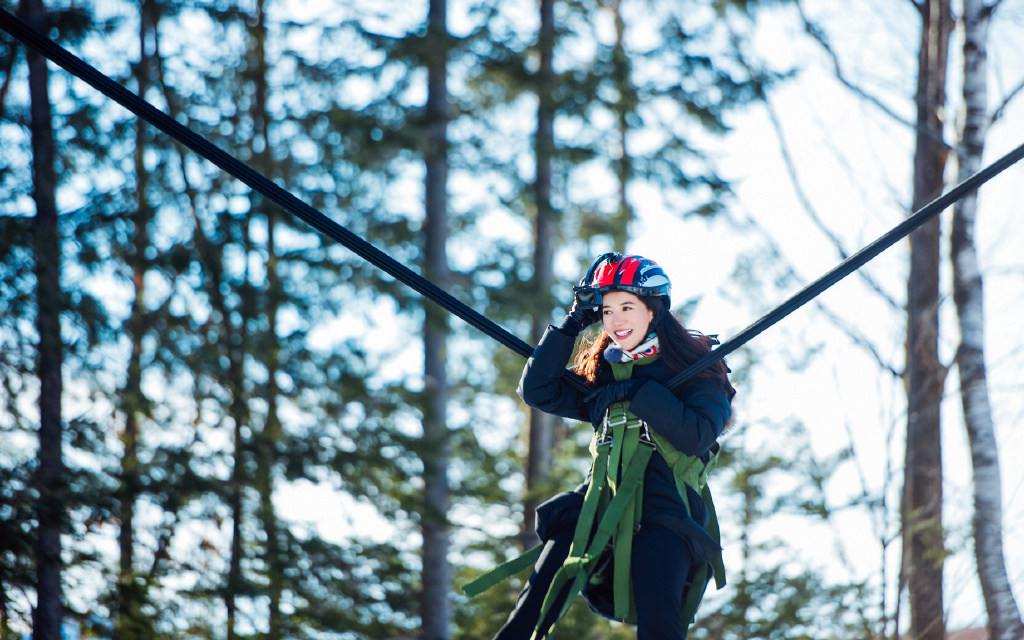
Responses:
[1004,622]
[923,539]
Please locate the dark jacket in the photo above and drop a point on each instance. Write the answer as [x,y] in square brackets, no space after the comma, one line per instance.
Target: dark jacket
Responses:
[690,418]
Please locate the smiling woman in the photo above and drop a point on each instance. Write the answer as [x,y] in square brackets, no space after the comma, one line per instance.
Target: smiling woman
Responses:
[639,537]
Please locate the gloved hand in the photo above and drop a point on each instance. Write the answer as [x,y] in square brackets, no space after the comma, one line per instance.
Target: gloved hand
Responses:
[601,398]
[580,317]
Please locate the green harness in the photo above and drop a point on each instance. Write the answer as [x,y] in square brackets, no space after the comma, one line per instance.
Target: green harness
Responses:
[611,514]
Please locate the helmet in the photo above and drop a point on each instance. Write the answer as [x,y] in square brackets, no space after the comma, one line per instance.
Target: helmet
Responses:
[616,272]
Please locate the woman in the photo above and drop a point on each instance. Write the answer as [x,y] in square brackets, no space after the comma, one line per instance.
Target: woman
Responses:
[649,564]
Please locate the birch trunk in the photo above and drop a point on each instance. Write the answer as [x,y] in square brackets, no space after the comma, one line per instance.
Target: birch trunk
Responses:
[1004,622]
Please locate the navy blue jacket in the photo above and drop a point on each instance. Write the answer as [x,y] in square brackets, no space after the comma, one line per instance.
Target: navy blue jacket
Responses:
[690,418]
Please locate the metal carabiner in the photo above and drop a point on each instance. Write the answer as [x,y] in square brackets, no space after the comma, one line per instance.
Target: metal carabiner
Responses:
[606,436]
[645,435]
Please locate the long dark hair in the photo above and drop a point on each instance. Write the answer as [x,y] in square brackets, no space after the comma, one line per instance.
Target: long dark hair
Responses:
[679,347]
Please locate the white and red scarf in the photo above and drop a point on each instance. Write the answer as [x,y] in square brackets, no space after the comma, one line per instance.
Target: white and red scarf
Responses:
[646,349]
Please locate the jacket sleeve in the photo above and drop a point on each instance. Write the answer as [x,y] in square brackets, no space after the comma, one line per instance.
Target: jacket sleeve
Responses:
[691,424]
[542,385]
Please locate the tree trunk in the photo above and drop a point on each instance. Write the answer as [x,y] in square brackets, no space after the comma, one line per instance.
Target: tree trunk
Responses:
[541,429]
[236,341]
[1004,622]
[129,609]
[435,606]
[48,614]
[224,336]
[923,545]
[267,440]
[624,108]
[233,583]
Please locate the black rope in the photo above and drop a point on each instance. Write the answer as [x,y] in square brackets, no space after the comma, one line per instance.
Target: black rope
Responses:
[851,264]
[400,272]
[255,180]
[259,183]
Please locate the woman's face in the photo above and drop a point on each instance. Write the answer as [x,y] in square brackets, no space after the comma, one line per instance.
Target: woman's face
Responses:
[625,318]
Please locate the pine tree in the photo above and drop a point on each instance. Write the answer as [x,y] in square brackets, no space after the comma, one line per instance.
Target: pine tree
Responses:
[48,614]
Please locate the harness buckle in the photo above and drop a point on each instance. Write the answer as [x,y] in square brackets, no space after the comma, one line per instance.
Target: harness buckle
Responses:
[622,421]
[645,436]
[606,436]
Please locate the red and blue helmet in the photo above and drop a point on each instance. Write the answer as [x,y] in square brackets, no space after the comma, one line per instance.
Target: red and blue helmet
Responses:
[616,272]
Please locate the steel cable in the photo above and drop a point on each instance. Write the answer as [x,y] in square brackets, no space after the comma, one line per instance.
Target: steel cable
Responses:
[63,58]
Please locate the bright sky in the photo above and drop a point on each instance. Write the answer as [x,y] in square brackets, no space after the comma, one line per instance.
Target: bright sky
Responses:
[853,164]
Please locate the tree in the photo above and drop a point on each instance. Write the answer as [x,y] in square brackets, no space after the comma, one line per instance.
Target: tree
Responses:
[852,71]
[130,596]
[16,543]
[540,433]
[1004,621]
[50,328]
[923,546]
[359,139]
[204,330]
[18,349]
[48,616]
[234,273]
[435,603]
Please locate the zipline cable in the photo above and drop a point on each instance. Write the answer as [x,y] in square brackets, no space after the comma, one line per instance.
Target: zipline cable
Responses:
[259,183]
[65,59]
[851,264]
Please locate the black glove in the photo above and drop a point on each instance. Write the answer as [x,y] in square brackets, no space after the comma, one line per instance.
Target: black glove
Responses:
[579,318]
[601,398]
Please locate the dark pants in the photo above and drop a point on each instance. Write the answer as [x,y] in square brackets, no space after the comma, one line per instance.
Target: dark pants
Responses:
[658,592]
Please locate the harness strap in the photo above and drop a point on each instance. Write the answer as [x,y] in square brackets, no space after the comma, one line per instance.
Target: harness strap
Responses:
[588,512]
[716,561]
[614,504]
[628,440]
[692,471]
[579,567]
[502,572]
[596,498]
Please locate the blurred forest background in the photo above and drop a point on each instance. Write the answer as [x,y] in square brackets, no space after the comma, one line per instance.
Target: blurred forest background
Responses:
[218,424]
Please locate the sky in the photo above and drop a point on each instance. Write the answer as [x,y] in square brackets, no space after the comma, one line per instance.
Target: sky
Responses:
[852,164]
